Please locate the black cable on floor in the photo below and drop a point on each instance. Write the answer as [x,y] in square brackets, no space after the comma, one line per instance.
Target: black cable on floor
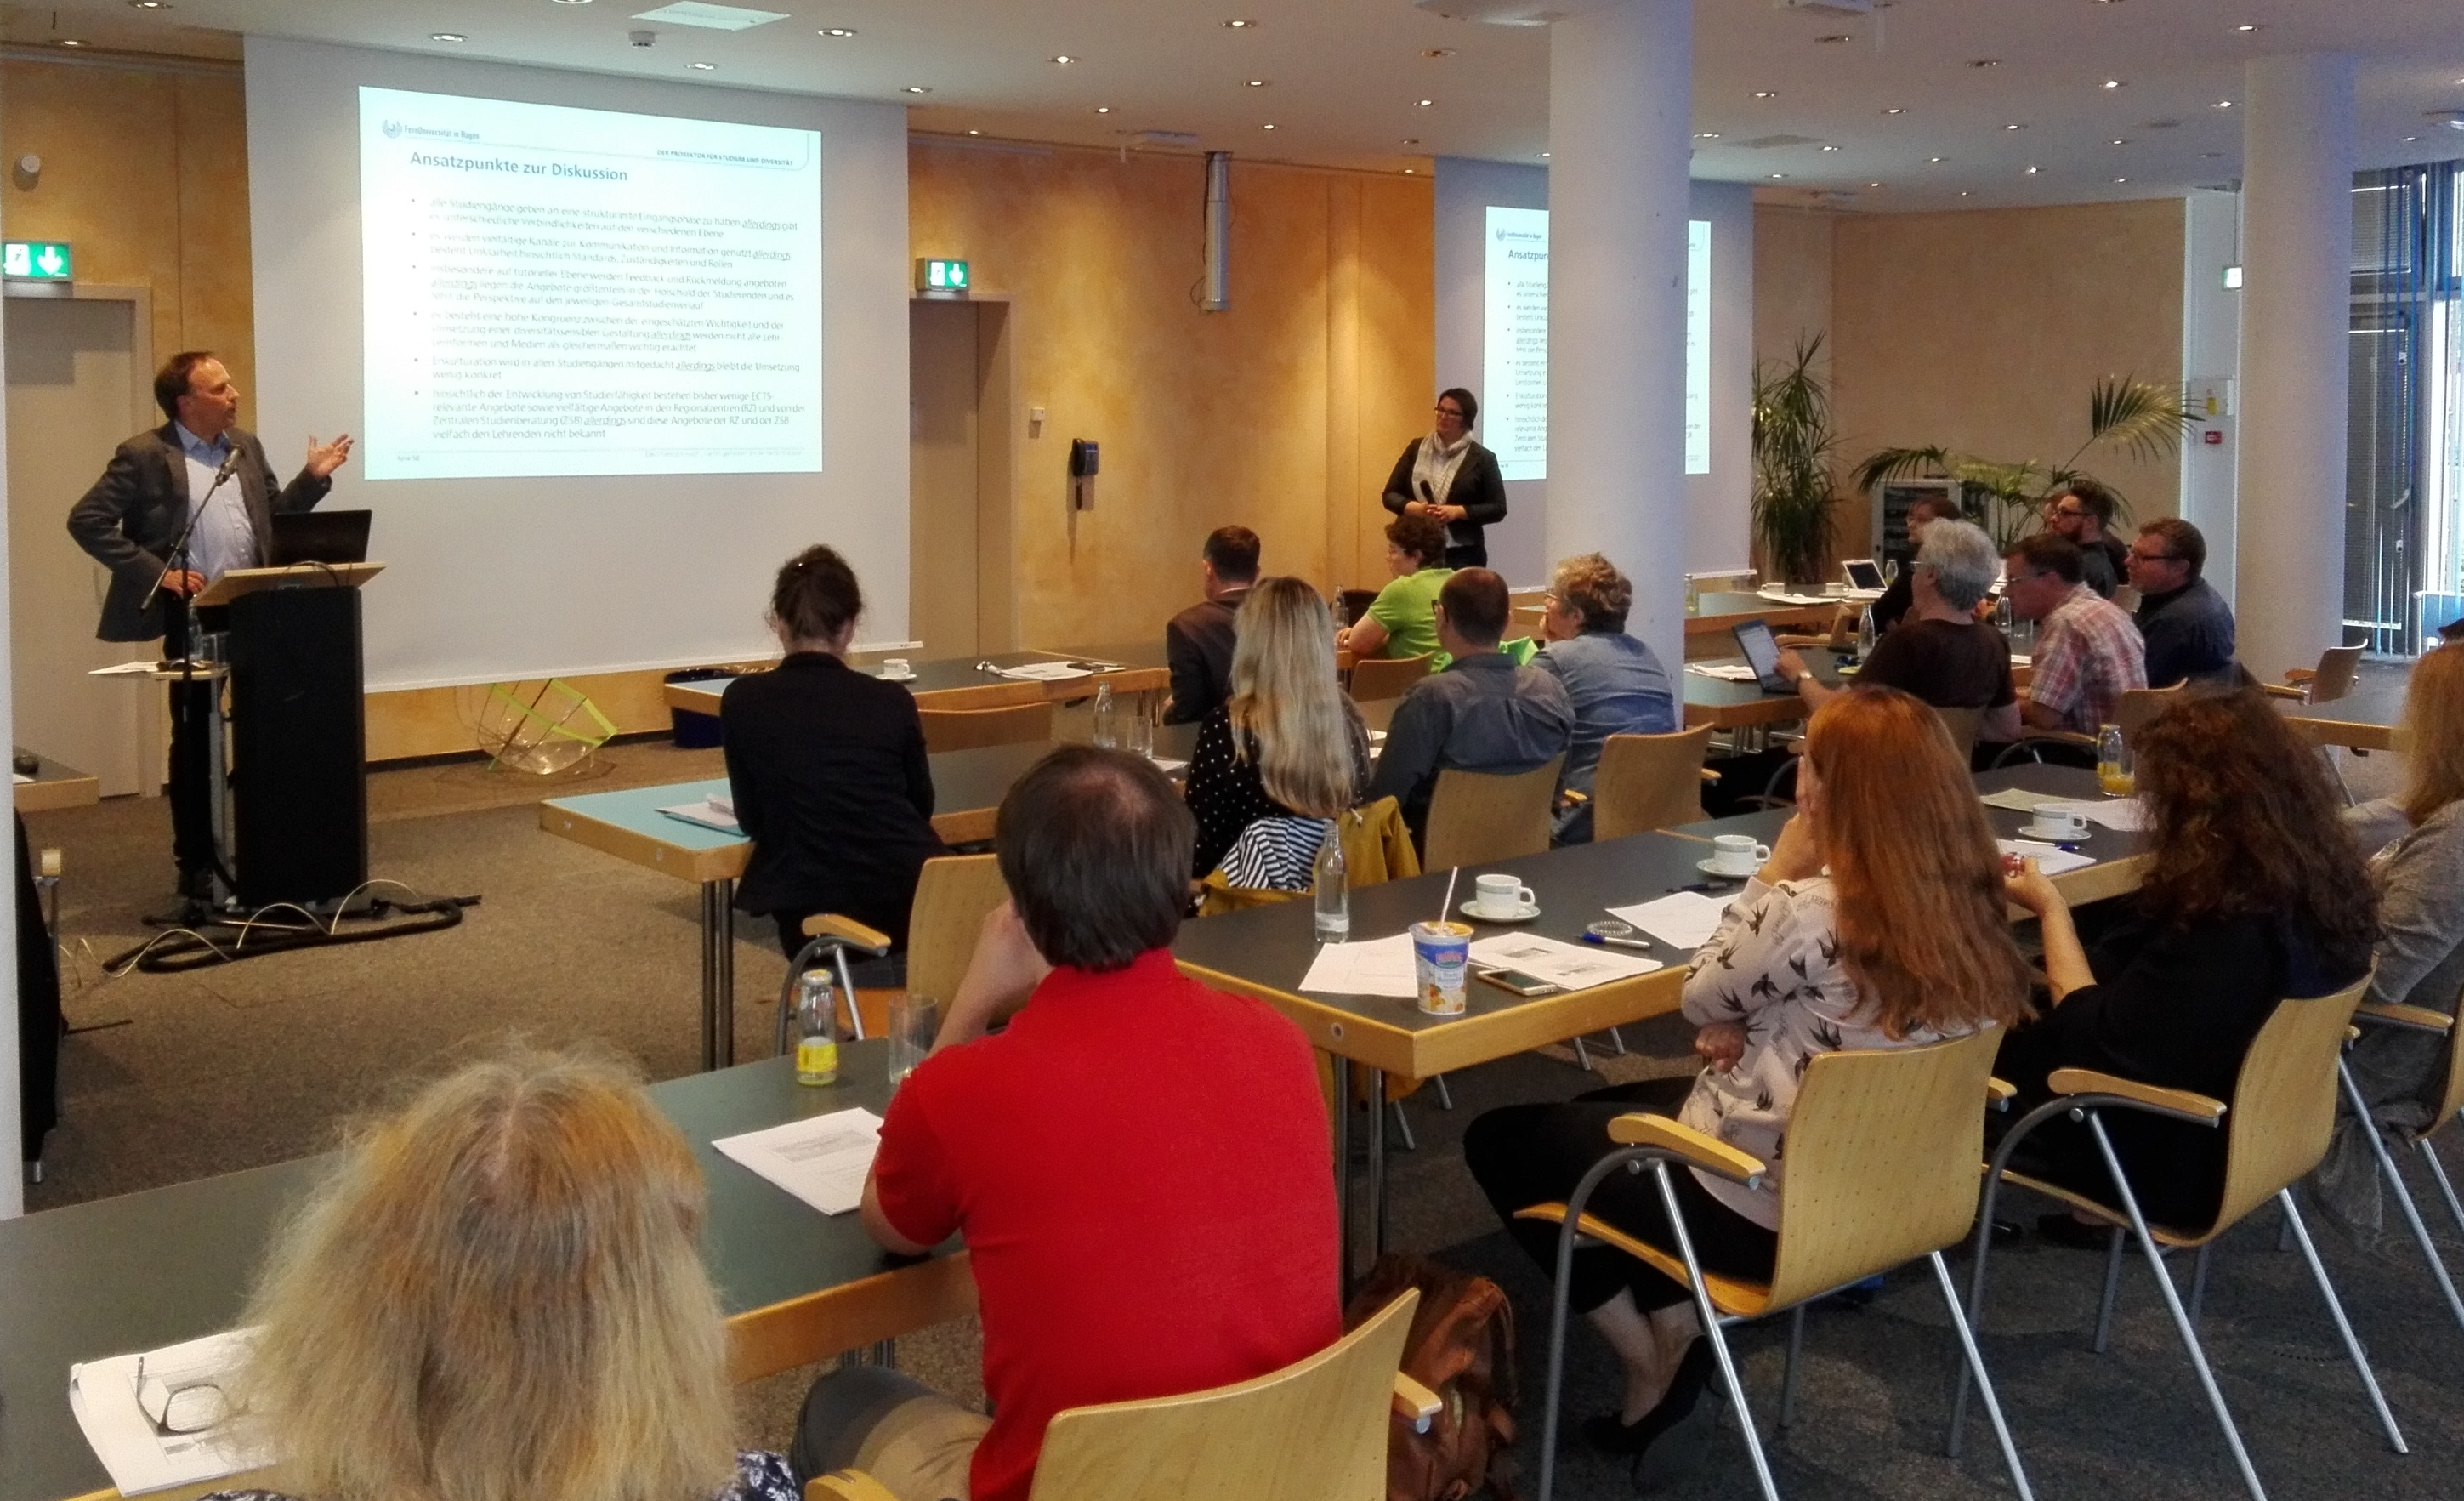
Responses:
[180,950]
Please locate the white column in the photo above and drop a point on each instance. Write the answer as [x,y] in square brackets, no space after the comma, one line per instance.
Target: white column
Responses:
[2296,313]
[13,1174]
[1620,130]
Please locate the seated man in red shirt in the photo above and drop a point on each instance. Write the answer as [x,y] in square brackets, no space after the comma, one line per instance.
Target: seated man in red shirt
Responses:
[1138,1164]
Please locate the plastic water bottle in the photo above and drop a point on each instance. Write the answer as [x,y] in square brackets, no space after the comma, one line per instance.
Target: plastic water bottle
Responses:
[1108,731]
[817,1028]
[1864,633]
[1332,885]
[2114,772]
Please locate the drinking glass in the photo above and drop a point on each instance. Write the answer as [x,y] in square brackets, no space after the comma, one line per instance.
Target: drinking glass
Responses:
[1137,733]
[914,1020]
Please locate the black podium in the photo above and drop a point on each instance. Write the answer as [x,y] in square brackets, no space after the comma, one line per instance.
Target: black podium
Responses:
[298,822]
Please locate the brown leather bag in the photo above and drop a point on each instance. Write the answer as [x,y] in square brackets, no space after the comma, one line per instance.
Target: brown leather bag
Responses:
[1460,1347]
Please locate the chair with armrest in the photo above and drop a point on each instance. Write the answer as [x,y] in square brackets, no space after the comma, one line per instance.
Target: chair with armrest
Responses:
[2276,1129]
[1376,677]
[953,893]
[1316,1430]
[973,729]
[2138,706]
[2451,1101]
[827,936]
[1478,817]
[1647,781]
[2330,681]
[1882,1171]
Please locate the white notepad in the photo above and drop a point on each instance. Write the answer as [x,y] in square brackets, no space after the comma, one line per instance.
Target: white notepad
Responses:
[1684,921]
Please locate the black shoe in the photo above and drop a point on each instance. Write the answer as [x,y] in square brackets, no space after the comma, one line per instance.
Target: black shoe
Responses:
[197,886]
[2061,1229]
[1693,1374]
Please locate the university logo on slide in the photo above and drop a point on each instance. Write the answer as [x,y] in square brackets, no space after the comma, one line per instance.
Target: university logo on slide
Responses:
[392,129]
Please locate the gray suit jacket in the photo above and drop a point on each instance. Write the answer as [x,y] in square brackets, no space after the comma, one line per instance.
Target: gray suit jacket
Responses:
[134,513]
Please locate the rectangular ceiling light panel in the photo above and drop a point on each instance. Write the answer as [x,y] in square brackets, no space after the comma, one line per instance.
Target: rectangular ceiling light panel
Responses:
[711,18]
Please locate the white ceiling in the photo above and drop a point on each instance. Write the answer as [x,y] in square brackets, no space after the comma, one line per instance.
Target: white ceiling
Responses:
[1344,77]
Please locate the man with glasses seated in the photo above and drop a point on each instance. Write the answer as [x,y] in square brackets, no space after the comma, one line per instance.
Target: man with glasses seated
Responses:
[2081,511]
[1941,652]
[2088,654]
[2187,624]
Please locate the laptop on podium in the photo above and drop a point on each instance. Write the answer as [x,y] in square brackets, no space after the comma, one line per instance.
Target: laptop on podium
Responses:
[319,536]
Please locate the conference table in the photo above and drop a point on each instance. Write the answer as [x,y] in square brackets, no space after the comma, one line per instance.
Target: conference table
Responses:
[54,787]
[1266,951]
[1727,705]
[1716,613]
[2369,717]
[940,676]
[968,787]
[154,1269]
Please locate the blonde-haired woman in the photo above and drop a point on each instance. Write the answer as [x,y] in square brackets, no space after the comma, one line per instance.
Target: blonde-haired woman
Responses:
[1290,744]
[1902,941]
[499,1295]
[2419,958]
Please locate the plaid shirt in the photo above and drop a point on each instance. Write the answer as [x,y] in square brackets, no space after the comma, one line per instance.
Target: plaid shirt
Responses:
[2087,652]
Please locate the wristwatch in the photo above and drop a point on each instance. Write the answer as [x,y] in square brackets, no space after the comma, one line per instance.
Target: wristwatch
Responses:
[1805,677]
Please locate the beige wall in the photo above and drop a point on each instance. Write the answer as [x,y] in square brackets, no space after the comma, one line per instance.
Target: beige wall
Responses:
[146,170]
[1281,414]
[1792,250]
[1983,331]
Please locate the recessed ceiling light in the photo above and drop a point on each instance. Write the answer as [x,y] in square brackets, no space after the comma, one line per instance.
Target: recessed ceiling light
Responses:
[1238,24]
[1408,172]
[1411,141]
[1063,58]
[433,37]
[2122,179]
[1873,184]
[1835,36]
[702,67]
[1265,127]
[2014,127]
[971,132]
[1829,149]
[2033,171]
[2120,140]
[2412,138]
[1985,62]
[71,41]
[1436,51]
[1103,109]
[2246,26]
[1896,109]
[2215,156]
[2224,104]
[1962,192]
[1426,103]
[826,31]
[1766,93]
[918,88]
[1779,177]
[2113,83]
[1937,159]
[1544,156]
[572,2]
[149,4]
[1706,135]
[1260,84]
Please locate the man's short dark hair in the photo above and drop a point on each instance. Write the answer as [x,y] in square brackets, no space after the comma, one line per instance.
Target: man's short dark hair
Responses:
[1233,550]
[2044,552]
[1423,537]
[1476,604]
[1095,847]
[171,381]
[2100,501]
[1464,399]
[2182,540]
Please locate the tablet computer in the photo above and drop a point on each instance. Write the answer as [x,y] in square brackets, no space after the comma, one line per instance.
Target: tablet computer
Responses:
[1761,648]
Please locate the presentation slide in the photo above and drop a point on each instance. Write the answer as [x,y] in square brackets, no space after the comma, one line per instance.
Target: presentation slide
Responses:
[1514,350]
[554,291]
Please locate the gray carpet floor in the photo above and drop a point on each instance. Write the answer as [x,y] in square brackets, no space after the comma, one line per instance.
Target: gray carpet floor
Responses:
[176,1077]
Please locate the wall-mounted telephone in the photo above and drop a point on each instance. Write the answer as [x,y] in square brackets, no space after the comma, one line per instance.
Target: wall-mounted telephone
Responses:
[1083,460]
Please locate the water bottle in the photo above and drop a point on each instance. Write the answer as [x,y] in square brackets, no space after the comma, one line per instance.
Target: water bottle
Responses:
[1333,884]
[1108,733]
[2114,772]
[817,1028]
[1864,633]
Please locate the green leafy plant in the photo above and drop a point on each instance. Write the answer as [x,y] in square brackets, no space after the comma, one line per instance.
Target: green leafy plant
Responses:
[1794,450]
[2124,413]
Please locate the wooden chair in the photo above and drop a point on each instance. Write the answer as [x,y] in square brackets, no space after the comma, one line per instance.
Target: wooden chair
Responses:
[1476,818]
[973,729]
[2330,681]
[952,895]
[2414,1018]
[2126,599]
[2277,1130]
[1377,678]
[1315,1430]
[2138,706]
[1963,725]
[827,936]
[1881,1170]
[1648,782]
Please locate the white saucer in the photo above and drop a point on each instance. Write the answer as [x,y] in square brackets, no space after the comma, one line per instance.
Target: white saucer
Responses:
[1708,868]
[896,677]
[2031,832]
[1525,914]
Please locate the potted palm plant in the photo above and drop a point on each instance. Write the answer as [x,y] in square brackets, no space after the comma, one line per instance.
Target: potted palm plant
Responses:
[2140,417]
[1793,448]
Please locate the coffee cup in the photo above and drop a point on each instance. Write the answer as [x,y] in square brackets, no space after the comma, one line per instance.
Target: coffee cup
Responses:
[896,669]
[1501,897]
[2058,823]
[1440,964]
[1737,854]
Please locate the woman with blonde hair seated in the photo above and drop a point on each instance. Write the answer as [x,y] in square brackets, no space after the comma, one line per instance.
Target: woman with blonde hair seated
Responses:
[1877,922]
[1289,746]
[499,1296]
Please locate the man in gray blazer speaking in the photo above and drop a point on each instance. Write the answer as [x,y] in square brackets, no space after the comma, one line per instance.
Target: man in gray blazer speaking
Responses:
[199,462]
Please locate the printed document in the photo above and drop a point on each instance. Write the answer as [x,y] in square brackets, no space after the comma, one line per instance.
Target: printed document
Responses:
[1569,967]
[711,812]
[1045,672]
[180,1388]
[822,1159]
[1684,921]
[1368,968]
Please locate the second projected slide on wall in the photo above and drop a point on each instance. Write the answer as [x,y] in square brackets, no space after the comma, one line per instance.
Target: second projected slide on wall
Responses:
[553,290]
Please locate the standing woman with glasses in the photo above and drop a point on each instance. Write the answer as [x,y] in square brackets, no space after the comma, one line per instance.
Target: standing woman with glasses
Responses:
[499,1295]
[1447,475]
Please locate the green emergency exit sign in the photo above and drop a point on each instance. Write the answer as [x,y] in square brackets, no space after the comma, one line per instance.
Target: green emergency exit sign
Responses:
[37,260]
[945,279]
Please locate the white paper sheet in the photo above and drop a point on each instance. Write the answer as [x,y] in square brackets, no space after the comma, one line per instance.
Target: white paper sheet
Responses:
[1170,767]
[1044,672]
[22,778]
[1725,672]
[1684,921]
[1365,967]
[2018,800]
[2052,859]
[103,1394]
[712,812]
[821,1159]
[1570,966]
[2122,815]
[1784,597]
[122,669]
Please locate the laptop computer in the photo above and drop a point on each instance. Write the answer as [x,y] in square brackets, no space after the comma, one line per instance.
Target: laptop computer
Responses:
[319,536]
[1864,576]
[1761,648]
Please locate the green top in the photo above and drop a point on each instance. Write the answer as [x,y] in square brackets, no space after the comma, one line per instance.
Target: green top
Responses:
[1407,609]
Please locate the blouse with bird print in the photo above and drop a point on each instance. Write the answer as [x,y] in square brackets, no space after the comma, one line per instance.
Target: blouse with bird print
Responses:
[1773,967]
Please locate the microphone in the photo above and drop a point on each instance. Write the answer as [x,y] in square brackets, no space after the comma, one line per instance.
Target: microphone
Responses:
[1427,494]
[231,465]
